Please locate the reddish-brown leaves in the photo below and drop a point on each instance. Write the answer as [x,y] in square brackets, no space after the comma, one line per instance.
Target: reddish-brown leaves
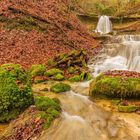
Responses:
[64,34]
[123,73]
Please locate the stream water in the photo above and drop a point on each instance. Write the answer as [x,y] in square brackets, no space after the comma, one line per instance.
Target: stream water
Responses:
[83,119]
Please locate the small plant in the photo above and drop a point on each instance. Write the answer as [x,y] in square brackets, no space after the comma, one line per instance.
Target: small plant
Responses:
[60,87]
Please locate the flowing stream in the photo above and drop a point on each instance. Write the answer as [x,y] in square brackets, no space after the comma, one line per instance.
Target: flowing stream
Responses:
[83,119]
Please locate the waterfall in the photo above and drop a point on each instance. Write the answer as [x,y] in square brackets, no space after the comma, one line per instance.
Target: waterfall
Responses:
[122,54]
[131,51]
[104,25]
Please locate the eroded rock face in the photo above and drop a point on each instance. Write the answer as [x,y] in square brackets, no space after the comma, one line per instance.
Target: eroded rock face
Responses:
[118,84]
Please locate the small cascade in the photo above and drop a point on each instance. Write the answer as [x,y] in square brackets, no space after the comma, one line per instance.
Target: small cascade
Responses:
[104,25]
[122,54]
[131,51]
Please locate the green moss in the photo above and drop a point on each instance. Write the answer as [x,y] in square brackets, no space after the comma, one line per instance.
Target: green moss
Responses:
[60,87]
[117,87]
[127,109]
[42,115]
[37,81]
[16,71]
[49,109]
[15,91]
[53,112]
[115,102]
[75,78]
[37,70]
[58,77]
[53,72]
[43,103]
[71,70]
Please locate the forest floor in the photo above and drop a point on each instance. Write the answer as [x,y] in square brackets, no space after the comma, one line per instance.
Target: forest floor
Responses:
[32,32]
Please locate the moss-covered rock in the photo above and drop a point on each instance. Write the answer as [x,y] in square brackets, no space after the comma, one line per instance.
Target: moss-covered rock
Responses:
[53,72]
[49,109]
[60,87]
[127,109]
[115,86]
[75,78]
[44,103]
[15,91]
[37,70]
[58,77]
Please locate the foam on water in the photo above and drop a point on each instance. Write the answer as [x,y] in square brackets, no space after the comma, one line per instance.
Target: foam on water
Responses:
[72,117]
[114,63]
[72,93]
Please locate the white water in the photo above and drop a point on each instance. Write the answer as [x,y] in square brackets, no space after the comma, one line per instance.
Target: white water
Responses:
[104,25]
[126,57]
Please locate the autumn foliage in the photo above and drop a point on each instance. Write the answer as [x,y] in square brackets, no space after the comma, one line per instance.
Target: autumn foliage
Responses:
[32,31]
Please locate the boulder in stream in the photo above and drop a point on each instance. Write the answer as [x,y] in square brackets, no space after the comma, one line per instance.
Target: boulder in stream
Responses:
[113,85]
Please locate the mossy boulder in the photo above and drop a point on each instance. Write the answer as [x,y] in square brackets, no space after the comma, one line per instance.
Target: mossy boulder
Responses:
[49,109]
[58,77]
[75,78]
[60,87]
[15,91]
[115,87]
[37,70]
[44,103]
[127,109]
[53,72]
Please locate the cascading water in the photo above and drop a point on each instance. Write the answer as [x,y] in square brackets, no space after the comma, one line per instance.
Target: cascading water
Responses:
[122,54]
[104,25]
[131,51]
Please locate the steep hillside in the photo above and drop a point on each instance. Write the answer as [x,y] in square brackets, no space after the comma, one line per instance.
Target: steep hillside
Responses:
[32,31]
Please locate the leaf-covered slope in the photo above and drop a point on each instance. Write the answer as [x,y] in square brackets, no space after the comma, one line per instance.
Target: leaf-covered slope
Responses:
[32,31]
